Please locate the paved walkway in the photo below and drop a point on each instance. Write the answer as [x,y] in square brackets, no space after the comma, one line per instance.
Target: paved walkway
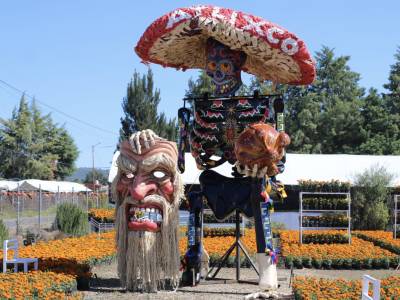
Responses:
[106,285]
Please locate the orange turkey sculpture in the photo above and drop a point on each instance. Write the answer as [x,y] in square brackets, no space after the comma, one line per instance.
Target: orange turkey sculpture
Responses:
[260,144]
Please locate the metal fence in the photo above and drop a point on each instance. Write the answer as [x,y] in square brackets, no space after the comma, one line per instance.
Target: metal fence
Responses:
[35,210]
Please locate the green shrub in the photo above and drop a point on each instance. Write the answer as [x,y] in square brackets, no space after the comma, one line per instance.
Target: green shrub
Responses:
[327,263]
[367,263]
[347,263]
[356,264]
[317,263]
[297,262]
[394,262]
[369,200]
[307,262]
[289,262]
[71,219]
[3,233]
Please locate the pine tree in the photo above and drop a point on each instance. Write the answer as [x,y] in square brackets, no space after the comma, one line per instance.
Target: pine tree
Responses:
[15,141]
[382,133]
[392,105]
[325,117]
[66,153]
[32,146]
[140,109]
[393,86]
[203,84]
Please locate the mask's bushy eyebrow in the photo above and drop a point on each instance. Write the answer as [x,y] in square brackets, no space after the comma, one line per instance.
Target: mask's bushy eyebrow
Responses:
[158,161]
[126,165]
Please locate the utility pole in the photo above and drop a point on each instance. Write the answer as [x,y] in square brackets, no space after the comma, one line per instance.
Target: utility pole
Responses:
[93,177]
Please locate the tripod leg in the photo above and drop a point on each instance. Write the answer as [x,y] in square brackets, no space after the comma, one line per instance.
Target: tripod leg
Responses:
[223,259]
[246,254]
[237,245]
[191,275]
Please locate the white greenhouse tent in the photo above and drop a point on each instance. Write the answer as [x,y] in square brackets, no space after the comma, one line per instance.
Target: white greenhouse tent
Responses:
[8,185]
[322,167]
[31,185]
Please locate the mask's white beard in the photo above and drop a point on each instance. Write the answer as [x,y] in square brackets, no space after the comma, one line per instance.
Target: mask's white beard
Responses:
[148,261]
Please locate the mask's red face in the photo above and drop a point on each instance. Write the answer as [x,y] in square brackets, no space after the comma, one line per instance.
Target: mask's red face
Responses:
[150,188]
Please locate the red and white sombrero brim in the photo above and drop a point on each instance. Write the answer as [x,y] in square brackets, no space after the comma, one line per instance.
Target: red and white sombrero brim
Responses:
[178,39]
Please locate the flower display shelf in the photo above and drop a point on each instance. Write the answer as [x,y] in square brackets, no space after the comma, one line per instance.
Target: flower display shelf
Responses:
[304,212]
[96,226]
[396,212]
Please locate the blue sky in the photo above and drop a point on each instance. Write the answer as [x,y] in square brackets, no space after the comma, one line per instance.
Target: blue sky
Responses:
[77,56]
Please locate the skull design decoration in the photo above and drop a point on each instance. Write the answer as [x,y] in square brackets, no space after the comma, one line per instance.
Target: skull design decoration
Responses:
[223,66]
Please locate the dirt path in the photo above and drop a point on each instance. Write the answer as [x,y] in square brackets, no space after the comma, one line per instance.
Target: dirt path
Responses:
[106,286]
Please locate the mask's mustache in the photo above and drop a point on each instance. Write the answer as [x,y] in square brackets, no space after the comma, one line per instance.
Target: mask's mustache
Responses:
[155,199]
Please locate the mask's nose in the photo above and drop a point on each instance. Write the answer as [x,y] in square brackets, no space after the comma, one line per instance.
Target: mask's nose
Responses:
[218,75]
[140,189]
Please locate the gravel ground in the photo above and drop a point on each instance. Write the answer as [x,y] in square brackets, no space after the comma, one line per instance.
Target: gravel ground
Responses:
[106,285]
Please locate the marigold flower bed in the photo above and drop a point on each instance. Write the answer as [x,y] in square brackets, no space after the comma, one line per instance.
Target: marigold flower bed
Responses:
[102,215]
[359,254]
[38,285]
[309,288]
[382,239]
[72,256]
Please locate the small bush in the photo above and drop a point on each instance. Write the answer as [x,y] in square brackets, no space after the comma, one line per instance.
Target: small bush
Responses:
[317,263]
[327,263]
[307,262]
[369,206]
[71,219]
[367,263]
[3,233]
[297,262]
[288,262]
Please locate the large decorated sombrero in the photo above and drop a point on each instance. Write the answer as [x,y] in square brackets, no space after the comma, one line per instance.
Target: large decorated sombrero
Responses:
[178,39]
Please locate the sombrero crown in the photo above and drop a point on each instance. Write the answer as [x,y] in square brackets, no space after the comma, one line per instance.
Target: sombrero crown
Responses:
[178,39]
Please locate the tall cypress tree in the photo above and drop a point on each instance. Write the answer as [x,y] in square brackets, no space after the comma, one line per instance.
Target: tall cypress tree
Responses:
[140,109]
[392,105]
[203,84]
[382,127]
[325,117]
[32,146]
[392,98]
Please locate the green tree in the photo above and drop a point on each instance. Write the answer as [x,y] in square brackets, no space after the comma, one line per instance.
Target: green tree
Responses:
[203,84]
[393,86]
[32,146]
[370,195]
[98,175]
[15,140]
[325,117]
[140,109]
[392,105]
[382,132]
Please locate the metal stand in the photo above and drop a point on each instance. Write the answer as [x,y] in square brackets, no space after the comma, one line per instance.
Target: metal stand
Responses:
[236,245]
[396,212]
[303,211]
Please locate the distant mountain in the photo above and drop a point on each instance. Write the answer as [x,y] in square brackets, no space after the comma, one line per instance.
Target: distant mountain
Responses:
[80,174]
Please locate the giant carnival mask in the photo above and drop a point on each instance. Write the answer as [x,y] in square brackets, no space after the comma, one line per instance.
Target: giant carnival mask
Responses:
[223,42]
[147,190]
[224,65]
